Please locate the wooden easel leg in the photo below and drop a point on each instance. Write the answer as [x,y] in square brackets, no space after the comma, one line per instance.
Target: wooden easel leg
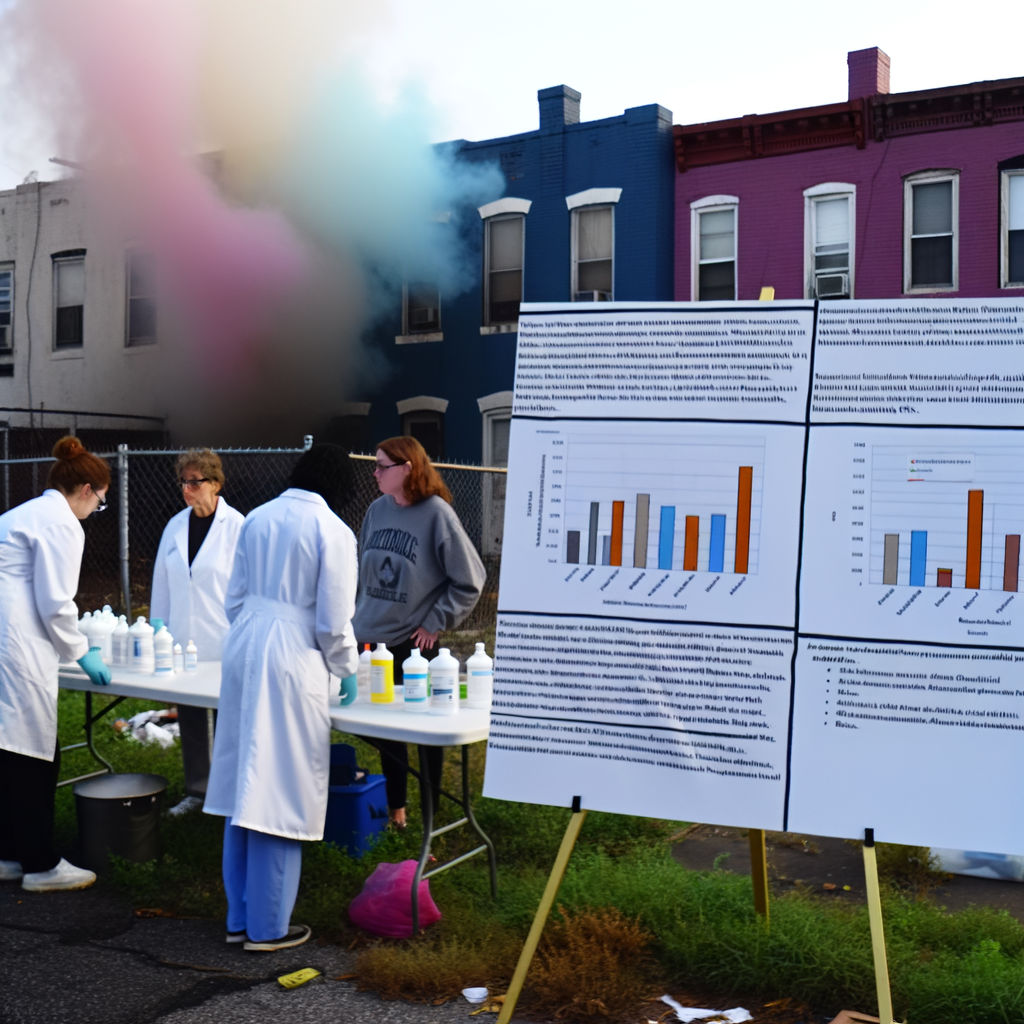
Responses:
[877,932]
[759,871]
[546,903]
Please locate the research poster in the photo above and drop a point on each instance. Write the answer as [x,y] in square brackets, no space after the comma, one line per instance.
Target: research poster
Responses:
[761,567]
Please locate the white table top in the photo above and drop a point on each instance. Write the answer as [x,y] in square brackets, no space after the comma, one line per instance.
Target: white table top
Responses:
[377,721]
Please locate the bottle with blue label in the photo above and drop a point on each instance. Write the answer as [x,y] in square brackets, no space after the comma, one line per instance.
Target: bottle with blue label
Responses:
[415,670]
[479,679]
[444,684]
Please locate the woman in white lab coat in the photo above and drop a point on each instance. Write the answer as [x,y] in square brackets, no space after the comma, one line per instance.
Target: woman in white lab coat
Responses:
[41,544]
[290,603]
[190,581]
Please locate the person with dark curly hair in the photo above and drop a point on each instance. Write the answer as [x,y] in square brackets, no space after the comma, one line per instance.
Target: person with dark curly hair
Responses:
[290,603]
[41,545]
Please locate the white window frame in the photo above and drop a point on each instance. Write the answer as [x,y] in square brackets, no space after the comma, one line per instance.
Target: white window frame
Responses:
[713,204]
[408,337]
[574,214]
[492,407]
[56,263]
[919,178]
[1004,228]
[128,343]
[812,195]
[8,268]
[502,326]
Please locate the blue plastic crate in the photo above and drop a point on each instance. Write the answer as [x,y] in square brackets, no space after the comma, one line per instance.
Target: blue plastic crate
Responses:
[356,813]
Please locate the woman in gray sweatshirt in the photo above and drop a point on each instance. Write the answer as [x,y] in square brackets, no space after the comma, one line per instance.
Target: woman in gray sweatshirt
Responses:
[419,574]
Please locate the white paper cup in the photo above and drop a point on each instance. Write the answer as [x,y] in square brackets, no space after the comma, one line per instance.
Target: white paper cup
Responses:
[475,995]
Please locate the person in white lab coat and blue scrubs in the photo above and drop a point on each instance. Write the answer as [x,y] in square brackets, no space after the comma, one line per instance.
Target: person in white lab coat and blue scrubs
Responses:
[41,545]
[190,582]
[290,603]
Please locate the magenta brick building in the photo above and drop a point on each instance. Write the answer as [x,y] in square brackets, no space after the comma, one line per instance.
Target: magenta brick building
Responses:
[883,196]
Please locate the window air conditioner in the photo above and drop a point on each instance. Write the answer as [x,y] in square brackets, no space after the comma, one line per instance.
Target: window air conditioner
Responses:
[593,297]
[423,315]
[832,286]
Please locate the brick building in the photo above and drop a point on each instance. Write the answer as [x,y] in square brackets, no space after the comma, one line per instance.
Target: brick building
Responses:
[882,196]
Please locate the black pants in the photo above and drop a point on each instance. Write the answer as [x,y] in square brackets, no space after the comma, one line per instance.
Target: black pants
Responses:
[196,725]
[28,787]
[395,767]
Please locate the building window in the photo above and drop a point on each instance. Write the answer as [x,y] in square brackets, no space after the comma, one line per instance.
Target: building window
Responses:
[69,300]
[6,308]
[593,250]
[421,308]
[427,426]
[713,234]
[1013,229]
[141,289]
[830,231]
[930,205]
[503,268]
[496,411]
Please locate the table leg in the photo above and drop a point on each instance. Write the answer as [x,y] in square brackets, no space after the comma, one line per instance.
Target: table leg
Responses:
[427,803]
[90,720]
[467,807]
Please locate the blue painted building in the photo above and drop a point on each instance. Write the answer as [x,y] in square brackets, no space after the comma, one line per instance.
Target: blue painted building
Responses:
[586,214]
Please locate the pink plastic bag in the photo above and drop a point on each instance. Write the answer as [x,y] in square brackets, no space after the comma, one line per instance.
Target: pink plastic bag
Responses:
[384,907]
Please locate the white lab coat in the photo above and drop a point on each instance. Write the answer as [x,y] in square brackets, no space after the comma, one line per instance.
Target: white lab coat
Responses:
[290,602]
[41,544]
[191,600]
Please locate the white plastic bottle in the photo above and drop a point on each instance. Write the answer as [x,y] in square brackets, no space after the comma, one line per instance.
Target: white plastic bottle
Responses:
[163,651]
[479,679]
[363,676]
[119,642]
[101,633]
[444,684]
[84,624]
[141,633]
[178,658]
[415,670]
[382,675]
[191,658]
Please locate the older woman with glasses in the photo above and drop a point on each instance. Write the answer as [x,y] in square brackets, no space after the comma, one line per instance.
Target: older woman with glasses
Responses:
[190,581]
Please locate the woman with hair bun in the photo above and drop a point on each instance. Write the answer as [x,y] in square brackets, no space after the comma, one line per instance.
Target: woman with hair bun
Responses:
[41,544]
[418,574]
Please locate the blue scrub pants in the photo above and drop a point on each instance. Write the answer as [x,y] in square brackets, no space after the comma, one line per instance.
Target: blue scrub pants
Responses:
[261,880]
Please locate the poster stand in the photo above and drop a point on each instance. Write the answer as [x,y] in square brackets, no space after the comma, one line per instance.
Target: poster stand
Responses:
[759,871]
[541,917]
[877,932]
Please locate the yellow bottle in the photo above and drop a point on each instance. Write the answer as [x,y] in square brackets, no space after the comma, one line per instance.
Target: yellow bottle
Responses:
[382,675]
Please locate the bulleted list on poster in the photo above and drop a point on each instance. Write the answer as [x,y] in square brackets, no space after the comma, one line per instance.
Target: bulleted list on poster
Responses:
[659,719]
[921,743]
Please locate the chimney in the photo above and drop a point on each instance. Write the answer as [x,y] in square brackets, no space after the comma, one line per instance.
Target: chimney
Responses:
[869,72]
[559,106]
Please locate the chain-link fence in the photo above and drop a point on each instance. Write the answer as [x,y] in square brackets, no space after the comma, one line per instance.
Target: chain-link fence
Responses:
[121,543]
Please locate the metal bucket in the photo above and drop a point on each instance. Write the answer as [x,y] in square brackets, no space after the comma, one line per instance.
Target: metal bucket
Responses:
[118,814]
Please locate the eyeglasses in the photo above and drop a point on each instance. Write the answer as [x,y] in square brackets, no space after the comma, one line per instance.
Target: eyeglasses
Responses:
[191,485]
[381,467]
[101,507]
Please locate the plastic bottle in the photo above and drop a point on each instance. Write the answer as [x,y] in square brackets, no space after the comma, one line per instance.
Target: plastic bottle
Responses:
[119,643]
[141,633]
[191,658]
[363,676]
[85,623]
[415,671]
[479,679]
[178,658]
[382,675]
[163,651]
[101,633]
[444,684]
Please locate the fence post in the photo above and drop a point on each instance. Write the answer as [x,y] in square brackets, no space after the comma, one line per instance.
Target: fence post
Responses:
[122,517]
[7,466]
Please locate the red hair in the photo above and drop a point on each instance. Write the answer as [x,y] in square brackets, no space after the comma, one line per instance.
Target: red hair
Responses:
[75,467]
[423,479]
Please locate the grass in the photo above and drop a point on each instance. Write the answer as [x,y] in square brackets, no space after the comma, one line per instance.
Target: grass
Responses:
[699,927]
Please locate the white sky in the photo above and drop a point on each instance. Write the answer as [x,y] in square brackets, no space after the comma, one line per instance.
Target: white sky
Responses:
[481,63]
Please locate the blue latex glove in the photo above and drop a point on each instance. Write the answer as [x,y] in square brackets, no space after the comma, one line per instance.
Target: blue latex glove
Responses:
[92,665]
[349,690]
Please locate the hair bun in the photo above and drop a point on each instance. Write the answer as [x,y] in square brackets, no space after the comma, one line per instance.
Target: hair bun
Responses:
[68,448]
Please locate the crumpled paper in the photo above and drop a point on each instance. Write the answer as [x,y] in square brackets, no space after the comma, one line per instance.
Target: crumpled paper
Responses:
[691,1013]
[145,728]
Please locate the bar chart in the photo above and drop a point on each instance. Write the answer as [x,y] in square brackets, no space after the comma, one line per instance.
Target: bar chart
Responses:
[680,506]
[947,518]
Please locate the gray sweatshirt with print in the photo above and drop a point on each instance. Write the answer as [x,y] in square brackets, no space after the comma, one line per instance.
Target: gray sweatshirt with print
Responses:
[417,568]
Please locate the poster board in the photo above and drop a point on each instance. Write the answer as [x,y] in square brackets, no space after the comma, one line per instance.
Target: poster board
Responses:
[761,564]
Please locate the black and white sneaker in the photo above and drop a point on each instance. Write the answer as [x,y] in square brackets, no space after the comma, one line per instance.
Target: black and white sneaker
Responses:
[297,935]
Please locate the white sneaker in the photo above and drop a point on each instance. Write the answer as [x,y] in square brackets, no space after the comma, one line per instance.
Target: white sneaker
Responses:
[10,871]
[190,803]
[63,876]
